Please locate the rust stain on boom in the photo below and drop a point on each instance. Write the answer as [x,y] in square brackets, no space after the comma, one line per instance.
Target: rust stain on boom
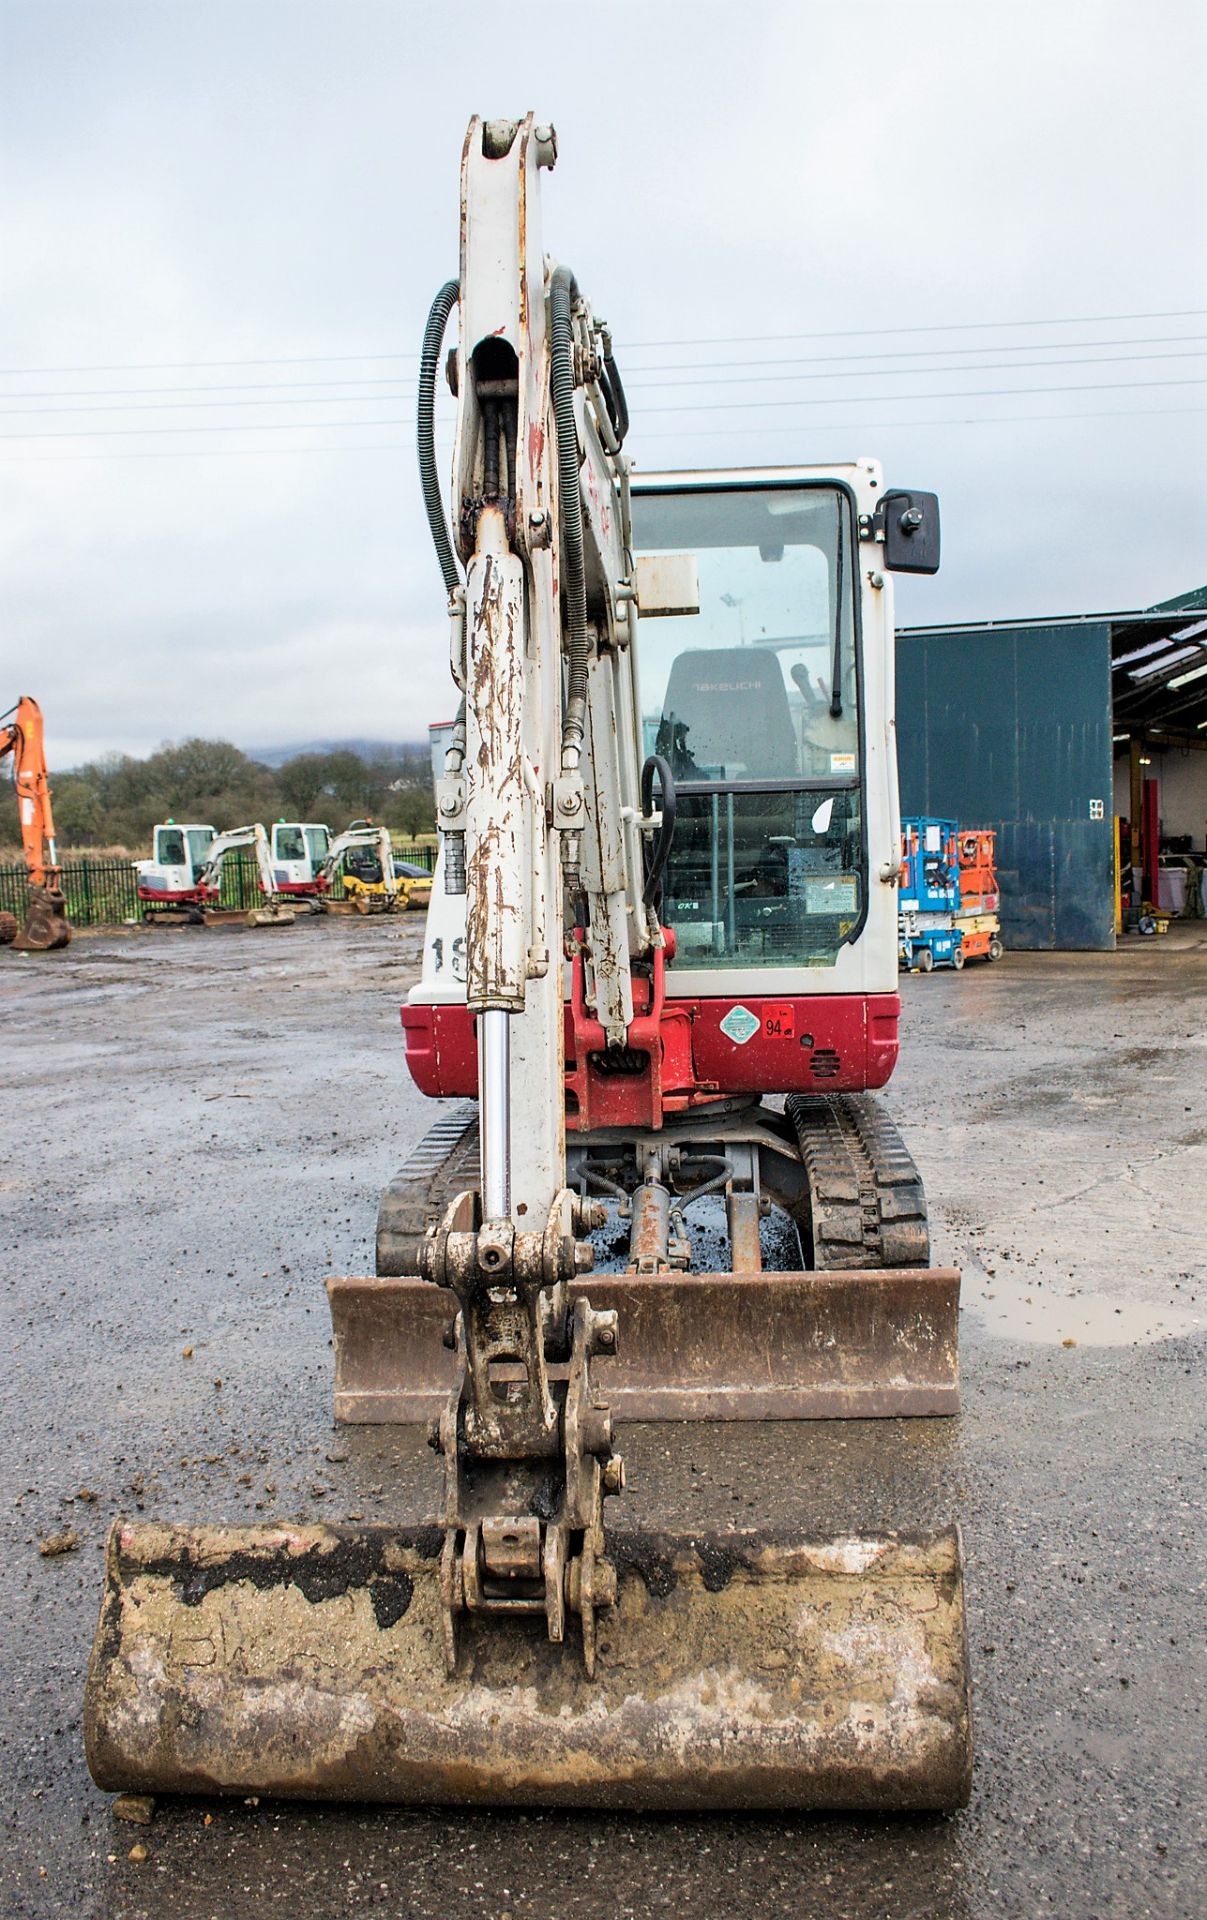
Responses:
[741,1670]
[701,1346]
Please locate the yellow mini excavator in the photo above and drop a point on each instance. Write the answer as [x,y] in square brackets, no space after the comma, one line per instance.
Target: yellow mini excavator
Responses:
[661,956]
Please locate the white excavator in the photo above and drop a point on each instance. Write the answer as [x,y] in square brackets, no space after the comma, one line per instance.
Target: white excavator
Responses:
[275,912]
[184,873]
[662,954]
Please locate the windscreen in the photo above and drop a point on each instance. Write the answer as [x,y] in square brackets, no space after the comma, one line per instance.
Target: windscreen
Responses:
[169,846]
[743,690]
[754,702]
[290,843]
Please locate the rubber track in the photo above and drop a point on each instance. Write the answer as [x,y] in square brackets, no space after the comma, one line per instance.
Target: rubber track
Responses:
[867,1204]
[444,1162]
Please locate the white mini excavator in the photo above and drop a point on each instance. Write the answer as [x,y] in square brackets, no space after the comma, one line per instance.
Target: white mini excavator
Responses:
[661,953]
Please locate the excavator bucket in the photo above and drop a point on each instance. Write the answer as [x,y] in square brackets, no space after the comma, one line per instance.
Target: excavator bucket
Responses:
[735,1670]
[46,923]
[271,917]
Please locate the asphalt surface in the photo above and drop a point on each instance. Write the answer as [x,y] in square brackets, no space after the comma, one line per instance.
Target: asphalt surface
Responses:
[195,1128]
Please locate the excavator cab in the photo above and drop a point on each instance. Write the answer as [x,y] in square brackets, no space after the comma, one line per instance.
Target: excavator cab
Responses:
[768,865]
[299,850]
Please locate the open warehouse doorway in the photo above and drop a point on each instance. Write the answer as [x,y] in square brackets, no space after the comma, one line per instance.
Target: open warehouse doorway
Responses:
[1081,740]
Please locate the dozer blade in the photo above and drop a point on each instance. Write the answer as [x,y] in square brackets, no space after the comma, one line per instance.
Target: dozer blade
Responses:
[739,1671]
[854,1344]
[271,917]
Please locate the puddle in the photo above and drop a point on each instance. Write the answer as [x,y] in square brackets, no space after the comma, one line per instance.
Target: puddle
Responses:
[1022,1309]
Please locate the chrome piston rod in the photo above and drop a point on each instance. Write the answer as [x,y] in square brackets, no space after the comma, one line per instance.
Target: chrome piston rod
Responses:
[494,1090]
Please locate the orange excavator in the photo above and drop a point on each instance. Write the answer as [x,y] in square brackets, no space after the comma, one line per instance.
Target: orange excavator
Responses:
[46,922]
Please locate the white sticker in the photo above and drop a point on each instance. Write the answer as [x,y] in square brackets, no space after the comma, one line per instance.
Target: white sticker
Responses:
[1096,810]
[820,822]
[831,896]
[842,763]
[934,839]
[739,1025]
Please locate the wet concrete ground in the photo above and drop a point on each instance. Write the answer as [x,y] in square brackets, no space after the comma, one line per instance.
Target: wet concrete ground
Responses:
[194,1131]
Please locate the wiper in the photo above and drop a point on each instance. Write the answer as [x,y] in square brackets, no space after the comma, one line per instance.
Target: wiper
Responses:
[836,665]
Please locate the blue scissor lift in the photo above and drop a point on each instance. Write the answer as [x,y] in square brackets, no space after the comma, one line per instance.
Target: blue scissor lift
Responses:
[929,900]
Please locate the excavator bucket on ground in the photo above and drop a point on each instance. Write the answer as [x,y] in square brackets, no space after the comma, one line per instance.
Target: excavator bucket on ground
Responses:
[735,1670]
[46,923]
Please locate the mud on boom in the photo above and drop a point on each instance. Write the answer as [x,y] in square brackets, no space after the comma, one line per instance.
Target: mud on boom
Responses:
[662,953]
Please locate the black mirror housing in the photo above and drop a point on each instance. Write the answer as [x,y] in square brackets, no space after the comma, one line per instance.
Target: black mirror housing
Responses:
[910,523]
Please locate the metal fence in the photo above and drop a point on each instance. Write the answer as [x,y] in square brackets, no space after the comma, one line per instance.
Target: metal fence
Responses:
[103,893]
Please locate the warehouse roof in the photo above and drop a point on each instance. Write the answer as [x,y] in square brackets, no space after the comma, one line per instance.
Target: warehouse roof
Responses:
[1158,659]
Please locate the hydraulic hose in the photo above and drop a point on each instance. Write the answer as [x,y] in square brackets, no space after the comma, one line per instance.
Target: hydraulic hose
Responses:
[425,428]
[429,481]
[562,295]
[618,406]
[652,891]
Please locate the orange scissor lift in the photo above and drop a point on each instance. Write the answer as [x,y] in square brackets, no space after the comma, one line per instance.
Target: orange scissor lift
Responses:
[978,916]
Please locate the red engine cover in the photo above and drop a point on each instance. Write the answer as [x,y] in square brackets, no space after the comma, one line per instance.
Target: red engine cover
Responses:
[683,1055]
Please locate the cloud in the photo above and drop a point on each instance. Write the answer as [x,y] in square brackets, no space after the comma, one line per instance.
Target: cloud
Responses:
[253,182]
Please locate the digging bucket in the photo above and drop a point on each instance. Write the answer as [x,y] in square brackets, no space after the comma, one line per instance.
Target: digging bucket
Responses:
[735,1671]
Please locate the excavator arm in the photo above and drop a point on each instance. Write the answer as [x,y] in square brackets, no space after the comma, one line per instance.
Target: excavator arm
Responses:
[375,837]
[272,913]
[46,923]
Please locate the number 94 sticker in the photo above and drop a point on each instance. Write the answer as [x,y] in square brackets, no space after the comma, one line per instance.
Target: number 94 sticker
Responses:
[779,1020]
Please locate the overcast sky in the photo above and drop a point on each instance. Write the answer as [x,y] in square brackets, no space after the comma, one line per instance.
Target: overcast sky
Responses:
[982,225]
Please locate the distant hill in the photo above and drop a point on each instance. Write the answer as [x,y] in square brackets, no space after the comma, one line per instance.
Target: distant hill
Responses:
[367,749]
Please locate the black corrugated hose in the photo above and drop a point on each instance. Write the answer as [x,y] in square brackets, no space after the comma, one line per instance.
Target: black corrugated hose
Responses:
[657,767]
[425,430]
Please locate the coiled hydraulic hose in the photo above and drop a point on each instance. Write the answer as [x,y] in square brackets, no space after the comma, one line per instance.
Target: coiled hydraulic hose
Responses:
[562,294]
[425,430]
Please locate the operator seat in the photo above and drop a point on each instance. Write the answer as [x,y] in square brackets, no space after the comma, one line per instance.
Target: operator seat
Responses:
[726,717]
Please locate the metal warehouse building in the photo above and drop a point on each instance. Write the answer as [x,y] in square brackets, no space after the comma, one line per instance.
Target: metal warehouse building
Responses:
[1046,730]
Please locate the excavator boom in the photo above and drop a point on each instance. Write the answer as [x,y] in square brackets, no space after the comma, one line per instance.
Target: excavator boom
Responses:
[46,924]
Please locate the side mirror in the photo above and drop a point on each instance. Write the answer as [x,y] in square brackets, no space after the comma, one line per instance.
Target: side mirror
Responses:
[911,531]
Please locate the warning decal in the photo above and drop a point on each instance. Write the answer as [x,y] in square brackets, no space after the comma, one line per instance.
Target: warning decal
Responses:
[739,1025]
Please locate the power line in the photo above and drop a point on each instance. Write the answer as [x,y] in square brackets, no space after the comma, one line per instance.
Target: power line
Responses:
[709,406]
[285,387]
[953,326]
[182,406]
[926,353]
[641,346]
[869,373]
[242,386]
[958,393]
[906,373]
[846,427]
[888,426]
